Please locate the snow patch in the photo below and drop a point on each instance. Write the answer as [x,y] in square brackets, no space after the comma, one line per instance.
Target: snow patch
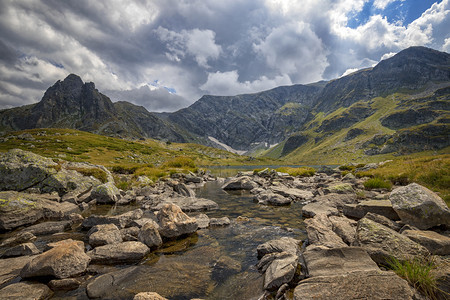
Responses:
[228,148]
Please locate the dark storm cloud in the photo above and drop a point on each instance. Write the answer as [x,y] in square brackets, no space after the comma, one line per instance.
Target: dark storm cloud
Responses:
[195,47]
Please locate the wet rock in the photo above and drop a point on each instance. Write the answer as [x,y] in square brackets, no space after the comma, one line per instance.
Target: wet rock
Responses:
[10,268]
[66,284]
[18,209]
[189,204]
[341,188]
[382,242]
[380,207]
[174,222]
[436,243]
[311,209]
[344,227]
[224,221]
[21,250]
[296,194]
[383,221]
[284,244]
[269,198]
[337,261]
[202,221]
[240,183]
[65,259]
[420,207]
[224,267]
[20,238]
[104,234]
[183,190]
[106,193]
[149,235]
[49,227]
[280,271]
[357,285]
[320,232]
[118,253]
[149,296]
[121,221]
[26,291]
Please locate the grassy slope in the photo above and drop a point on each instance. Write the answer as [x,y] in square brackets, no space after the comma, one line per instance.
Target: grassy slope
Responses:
[77,145]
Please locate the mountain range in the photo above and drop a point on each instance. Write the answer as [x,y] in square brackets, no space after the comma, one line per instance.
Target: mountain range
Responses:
[399,106]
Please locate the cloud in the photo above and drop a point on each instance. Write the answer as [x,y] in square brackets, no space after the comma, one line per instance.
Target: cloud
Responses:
[198,46]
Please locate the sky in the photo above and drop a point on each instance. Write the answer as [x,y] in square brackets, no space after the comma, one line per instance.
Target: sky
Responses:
[166,54]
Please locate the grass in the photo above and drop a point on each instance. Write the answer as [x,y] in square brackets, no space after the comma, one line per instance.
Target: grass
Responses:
[302,171]
[377,183]
[95,172]
[418,271]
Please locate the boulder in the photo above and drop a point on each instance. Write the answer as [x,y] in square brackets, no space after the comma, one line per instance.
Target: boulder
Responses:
[65,259]
[125,252]
[66,284]
[149,235]
[10,268]
[292,193]
[104,234]
[240,183]
[272,199]
[18,209]
[46,228]
[418,206]
[336,200]
[121,221]
[189,204]
[344,227]
[382,242]
[26,291]
[148,296]
[340,188]
[284,244]
[224,221]
[380,207]
[183,190]
[58,211]
[320,232]
[436,243]
[174,222]
[337,261]
[21,250]
[106,193]
[311,209]
[357,285]
[280,271]
[130,234]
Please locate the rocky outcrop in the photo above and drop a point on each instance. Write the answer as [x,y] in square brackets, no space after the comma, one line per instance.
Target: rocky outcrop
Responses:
[382,242]
[65,259]
[125,252]
[420,207]
[174,222]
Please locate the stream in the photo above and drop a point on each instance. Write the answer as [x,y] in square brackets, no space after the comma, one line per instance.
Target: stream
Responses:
[214,263]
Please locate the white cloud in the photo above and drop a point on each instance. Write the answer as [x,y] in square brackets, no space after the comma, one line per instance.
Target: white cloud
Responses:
[381,4]
[387,55]
[446,46]
[349,71]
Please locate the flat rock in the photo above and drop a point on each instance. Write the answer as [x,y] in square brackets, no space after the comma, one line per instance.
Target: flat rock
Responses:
[320,232]
[21,250]
[118,253]
[66,284]
[356,285]
[337,261]
[383,221]
[10,267]
[19,238]
[296,194]
[240,183]
[65,259]
[436,243]
[46,228]
[336,200]
[340,188]
[382,242]
[174,222]
[148,296]
[380,207]
[270,198]
[58,210]
[418,206]
[121,221]
[224,221]
[311,209]
[284,244]
[26,291]
[104,234]
[189,204]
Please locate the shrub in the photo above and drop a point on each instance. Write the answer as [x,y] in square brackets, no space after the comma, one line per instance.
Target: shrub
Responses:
[152,173]
[180,162]
[377,183]
[418,272]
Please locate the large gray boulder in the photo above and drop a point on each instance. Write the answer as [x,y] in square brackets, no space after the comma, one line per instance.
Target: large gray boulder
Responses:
[418,206]
[357,285]
[26,291]
[65,259]
[173,222]
[240,183]
[149,234]
[125,252]
[104,234]
[18,209]
[436,243]
[106,193]
[382,242]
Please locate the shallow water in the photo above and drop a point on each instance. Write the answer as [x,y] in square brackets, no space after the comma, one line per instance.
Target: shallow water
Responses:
[215,263]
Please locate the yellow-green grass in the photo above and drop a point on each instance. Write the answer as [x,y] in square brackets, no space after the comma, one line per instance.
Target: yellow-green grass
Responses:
[301,171]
